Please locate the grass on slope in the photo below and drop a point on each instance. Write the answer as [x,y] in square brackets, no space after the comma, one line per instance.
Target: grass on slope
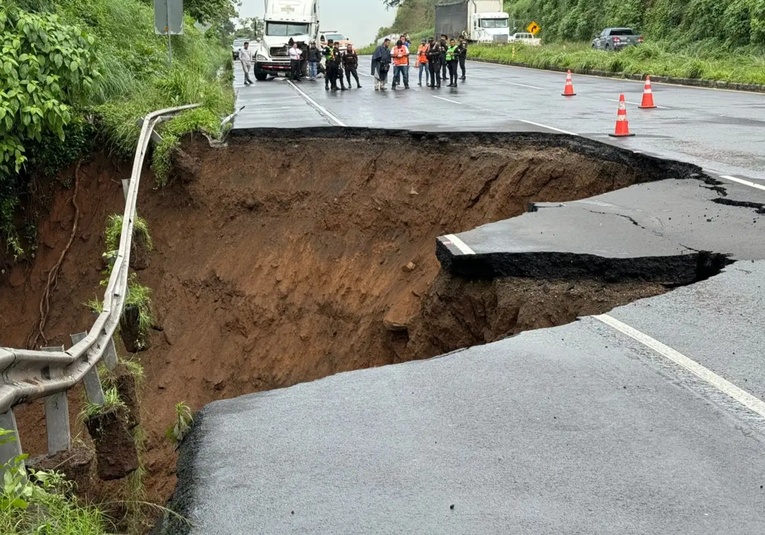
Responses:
[137,78]
[650,58]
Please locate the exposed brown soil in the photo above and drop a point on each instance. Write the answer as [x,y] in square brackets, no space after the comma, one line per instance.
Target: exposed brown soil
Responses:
[285,258]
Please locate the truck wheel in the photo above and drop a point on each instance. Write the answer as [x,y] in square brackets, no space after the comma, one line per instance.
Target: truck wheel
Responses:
[261,76]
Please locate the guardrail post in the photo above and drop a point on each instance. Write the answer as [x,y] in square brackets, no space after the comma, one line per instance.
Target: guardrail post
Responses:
[91,380]
[12,448]
[110,355]
[125,187]
[57,416]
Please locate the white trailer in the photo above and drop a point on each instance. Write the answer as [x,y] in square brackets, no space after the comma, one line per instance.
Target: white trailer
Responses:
[284,20]
[481,21]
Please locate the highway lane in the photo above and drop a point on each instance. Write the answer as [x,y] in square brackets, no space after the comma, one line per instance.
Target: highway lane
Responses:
[575,429]
[649,419]
[723,131]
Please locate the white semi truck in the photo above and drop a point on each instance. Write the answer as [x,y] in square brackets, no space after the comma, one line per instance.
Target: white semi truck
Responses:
[481,21]
[284,20]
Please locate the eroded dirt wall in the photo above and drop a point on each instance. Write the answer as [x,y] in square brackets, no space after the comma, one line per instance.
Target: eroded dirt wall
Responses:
[288,255]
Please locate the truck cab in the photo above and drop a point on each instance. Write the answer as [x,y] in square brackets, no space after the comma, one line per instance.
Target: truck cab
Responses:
[480,21]
[490,27]
[284,20]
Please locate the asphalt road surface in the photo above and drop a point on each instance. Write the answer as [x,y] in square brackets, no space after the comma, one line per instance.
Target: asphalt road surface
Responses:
[722,131]
[648,419]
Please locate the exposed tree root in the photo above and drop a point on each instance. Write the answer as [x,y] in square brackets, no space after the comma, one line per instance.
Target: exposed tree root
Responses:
[50,286]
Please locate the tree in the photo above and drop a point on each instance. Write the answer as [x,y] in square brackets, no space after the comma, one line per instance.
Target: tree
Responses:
[212,11]
[48,70]
[250,27]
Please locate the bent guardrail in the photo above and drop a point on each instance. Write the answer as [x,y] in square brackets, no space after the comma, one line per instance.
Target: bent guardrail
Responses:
[27,375]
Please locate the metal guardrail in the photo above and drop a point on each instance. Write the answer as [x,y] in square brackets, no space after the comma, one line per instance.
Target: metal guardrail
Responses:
[27,375]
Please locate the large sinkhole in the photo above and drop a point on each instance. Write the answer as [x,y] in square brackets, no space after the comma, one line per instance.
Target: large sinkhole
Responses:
[284,256]
[289,255]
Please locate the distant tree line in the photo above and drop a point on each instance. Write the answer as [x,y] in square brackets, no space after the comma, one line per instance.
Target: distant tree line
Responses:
[734,23]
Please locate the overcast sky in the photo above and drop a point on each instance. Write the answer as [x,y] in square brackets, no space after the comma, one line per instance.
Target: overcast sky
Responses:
[359,20]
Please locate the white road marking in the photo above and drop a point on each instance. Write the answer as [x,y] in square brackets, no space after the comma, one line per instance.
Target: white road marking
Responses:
[743,182]
[446,99]
[525,85]
[459,244]
[615,78]
[635,104]
[705,374]
[321,109]
[549,127]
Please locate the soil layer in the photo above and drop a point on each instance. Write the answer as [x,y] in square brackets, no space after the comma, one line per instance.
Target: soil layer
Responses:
[287,256]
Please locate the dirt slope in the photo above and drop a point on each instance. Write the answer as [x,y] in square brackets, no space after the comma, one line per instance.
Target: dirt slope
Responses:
[288,256]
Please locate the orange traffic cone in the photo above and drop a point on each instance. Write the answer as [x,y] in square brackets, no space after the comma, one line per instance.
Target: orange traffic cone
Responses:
[622,124]
[647,95]
[568,91]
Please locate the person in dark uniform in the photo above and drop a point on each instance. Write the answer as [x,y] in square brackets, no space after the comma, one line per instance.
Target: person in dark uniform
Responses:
[462,55]
[337,68]
[434,62]
[327,51]
[444,46]
[351,65]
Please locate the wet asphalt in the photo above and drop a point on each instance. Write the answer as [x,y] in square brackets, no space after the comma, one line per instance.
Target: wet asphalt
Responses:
[647,420]
[722,131]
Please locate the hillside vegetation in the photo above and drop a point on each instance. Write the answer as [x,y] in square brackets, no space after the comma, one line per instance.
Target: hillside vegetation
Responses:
[731,23]
[79,72]
[720,40]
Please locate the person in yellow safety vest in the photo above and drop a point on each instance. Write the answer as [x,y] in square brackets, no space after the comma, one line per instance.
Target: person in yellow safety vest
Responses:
[451,61]
[422,61]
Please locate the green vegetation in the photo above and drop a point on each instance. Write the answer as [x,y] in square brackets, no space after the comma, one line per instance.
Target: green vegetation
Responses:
[649,58]
[182,424]
[140,297]
[702,39]
[196,120]
[112,402]
[412,17]
[78,71]
[114,231]
[112,240]
[39,502]
[698,24]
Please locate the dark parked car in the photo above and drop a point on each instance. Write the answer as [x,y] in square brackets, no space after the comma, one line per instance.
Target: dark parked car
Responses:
[616,39]
[238,43]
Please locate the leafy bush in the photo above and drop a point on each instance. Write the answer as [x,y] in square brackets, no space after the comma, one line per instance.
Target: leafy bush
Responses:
[48,72]
[37,502]
[71,70]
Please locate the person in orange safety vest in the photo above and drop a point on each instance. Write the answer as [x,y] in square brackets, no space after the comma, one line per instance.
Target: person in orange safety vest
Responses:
[422,61]
[400,64]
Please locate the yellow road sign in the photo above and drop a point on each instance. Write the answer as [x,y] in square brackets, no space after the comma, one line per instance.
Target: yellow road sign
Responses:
[533,28]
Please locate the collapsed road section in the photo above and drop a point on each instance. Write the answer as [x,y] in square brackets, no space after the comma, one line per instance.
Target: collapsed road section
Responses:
[575,428]
[289,255]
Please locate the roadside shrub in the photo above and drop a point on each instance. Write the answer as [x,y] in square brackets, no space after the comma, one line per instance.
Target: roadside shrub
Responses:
[38,502]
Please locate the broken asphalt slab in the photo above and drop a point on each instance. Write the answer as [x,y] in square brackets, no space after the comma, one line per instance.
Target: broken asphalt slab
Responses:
[671,231]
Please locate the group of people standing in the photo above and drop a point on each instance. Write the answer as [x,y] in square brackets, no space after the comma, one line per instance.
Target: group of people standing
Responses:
[328,60]
[434,59]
